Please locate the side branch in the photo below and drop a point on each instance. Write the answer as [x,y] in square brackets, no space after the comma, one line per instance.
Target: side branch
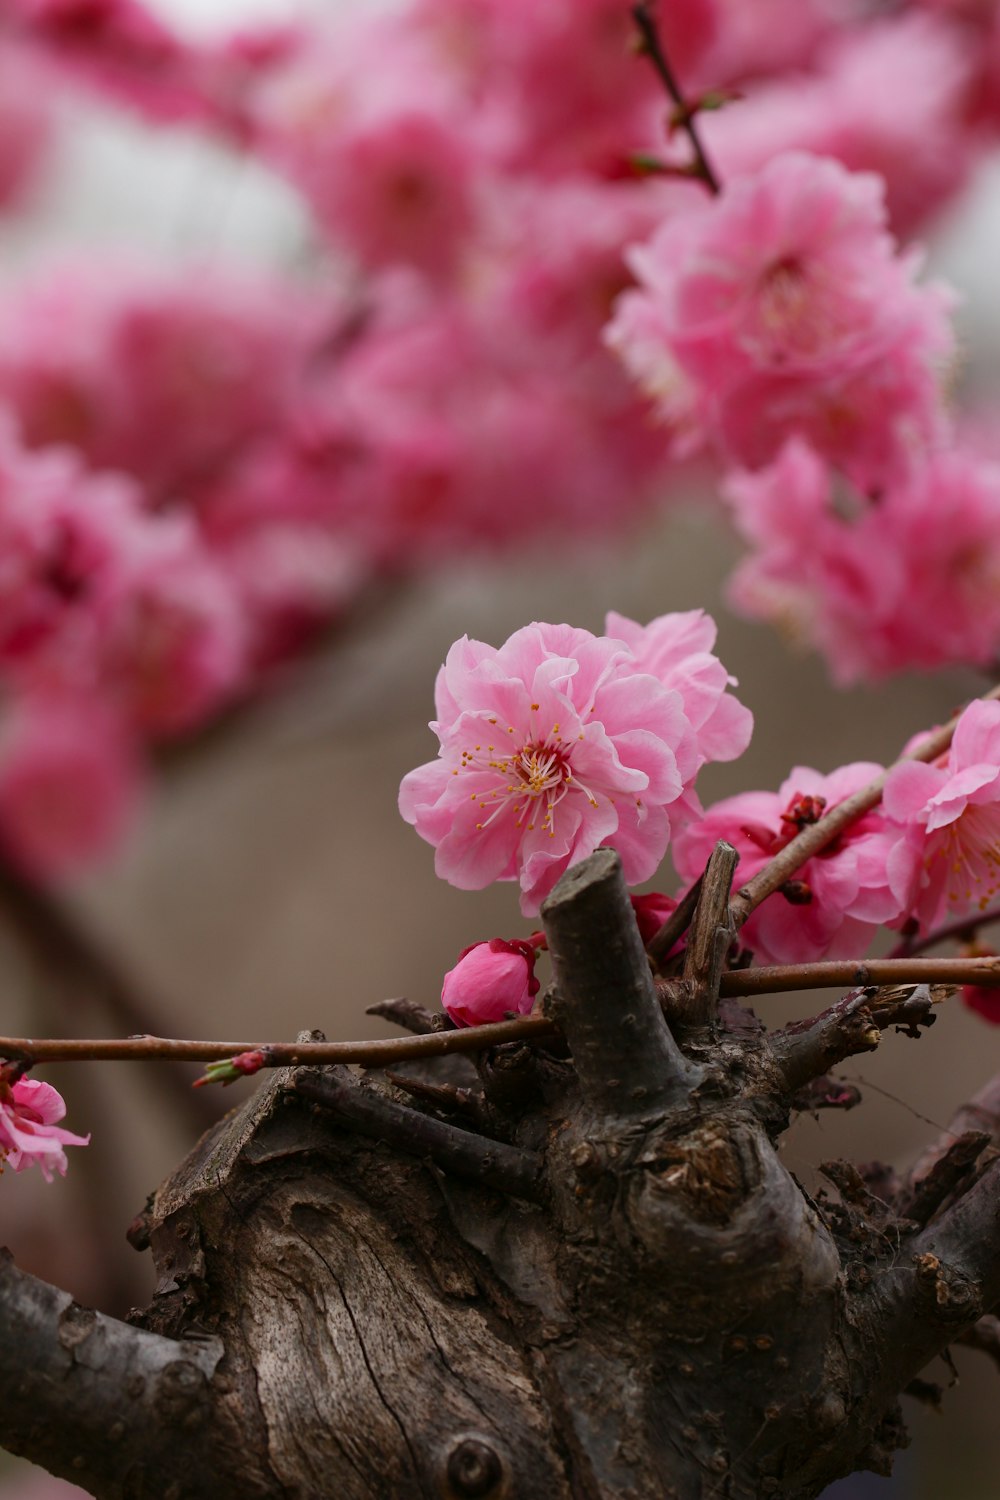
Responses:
[101,1403]
[807,1049]
[818,835]
[684,113]
[711,934]
[627,1061]
[492,1163]
[951,1278]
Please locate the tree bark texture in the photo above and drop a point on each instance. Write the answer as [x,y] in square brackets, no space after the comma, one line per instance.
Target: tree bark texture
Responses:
[569,1271]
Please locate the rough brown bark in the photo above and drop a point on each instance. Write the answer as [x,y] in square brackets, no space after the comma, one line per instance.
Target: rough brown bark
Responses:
[565,1272]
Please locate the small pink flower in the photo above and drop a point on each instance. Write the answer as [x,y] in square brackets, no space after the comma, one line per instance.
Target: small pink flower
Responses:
[29,1133]
[838,898]
[550,746]
[947,821]
[490,980]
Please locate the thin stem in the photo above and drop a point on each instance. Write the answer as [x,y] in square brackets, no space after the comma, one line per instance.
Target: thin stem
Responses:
[685,113]
[818,835]
[676,924]
[832,974]
[710,938]
[75,961]
[959,929]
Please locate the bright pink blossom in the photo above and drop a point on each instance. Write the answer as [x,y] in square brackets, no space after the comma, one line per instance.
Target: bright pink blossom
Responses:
[788,280]
[676,649]
[838,898]
[947,821]
[554,744]
[489,980]
[29,1132]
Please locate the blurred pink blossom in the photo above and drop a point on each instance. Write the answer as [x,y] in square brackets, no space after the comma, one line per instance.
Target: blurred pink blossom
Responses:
[29,1132]
[847,107]
[69,782]
[489,980]
[912,580]
[837,899]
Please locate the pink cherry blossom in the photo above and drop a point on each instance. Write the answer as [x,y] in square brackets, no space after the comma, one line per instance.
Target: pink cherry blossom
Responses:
[554,744]
[947,821]
[676,649]
[29,1132]
[838,898]
[787,280]
[489,980]
[68,782]
[550,746]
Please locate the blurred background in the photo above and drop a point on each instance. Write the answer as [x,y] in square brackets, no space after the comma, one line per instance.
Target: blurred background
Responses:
[272,884]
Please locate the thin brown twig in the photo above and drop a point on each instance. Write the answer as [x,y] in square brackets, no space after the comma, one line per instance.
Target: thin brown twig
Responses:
[817,835]
[382,1053]
[966,929]
[684,113]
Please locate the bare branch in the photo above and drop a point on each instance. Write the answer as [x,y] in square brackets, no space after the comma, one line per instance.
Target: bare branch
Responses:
[947,1175]
[805,1050]
[626,1059]
[951,1278]
[100,1403]
[709,939]
[408,1014]
[981,1114]
[491,1163]
[868,973]
[701,167]
[676,924]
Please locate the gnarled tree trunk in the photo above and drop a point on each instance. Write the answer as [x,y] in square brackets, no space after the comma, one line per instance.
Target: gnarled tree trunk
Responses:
[581,1271]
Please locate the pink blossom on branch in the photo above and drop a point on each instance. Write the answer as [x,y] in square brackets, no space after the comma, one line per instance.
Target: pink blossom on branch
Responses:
[29,1131]
[489,981]
[946,819]
[550,746]
[837,899]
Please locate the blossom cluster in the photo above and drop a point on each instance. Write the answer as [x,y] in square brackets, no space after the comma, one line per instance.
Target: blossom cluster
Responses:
[559,742]
[927,854]
[519,317]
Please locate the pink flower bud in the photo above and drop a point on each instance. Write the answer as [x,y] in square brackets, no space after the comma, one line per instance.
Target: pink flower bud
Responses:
[489,980]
